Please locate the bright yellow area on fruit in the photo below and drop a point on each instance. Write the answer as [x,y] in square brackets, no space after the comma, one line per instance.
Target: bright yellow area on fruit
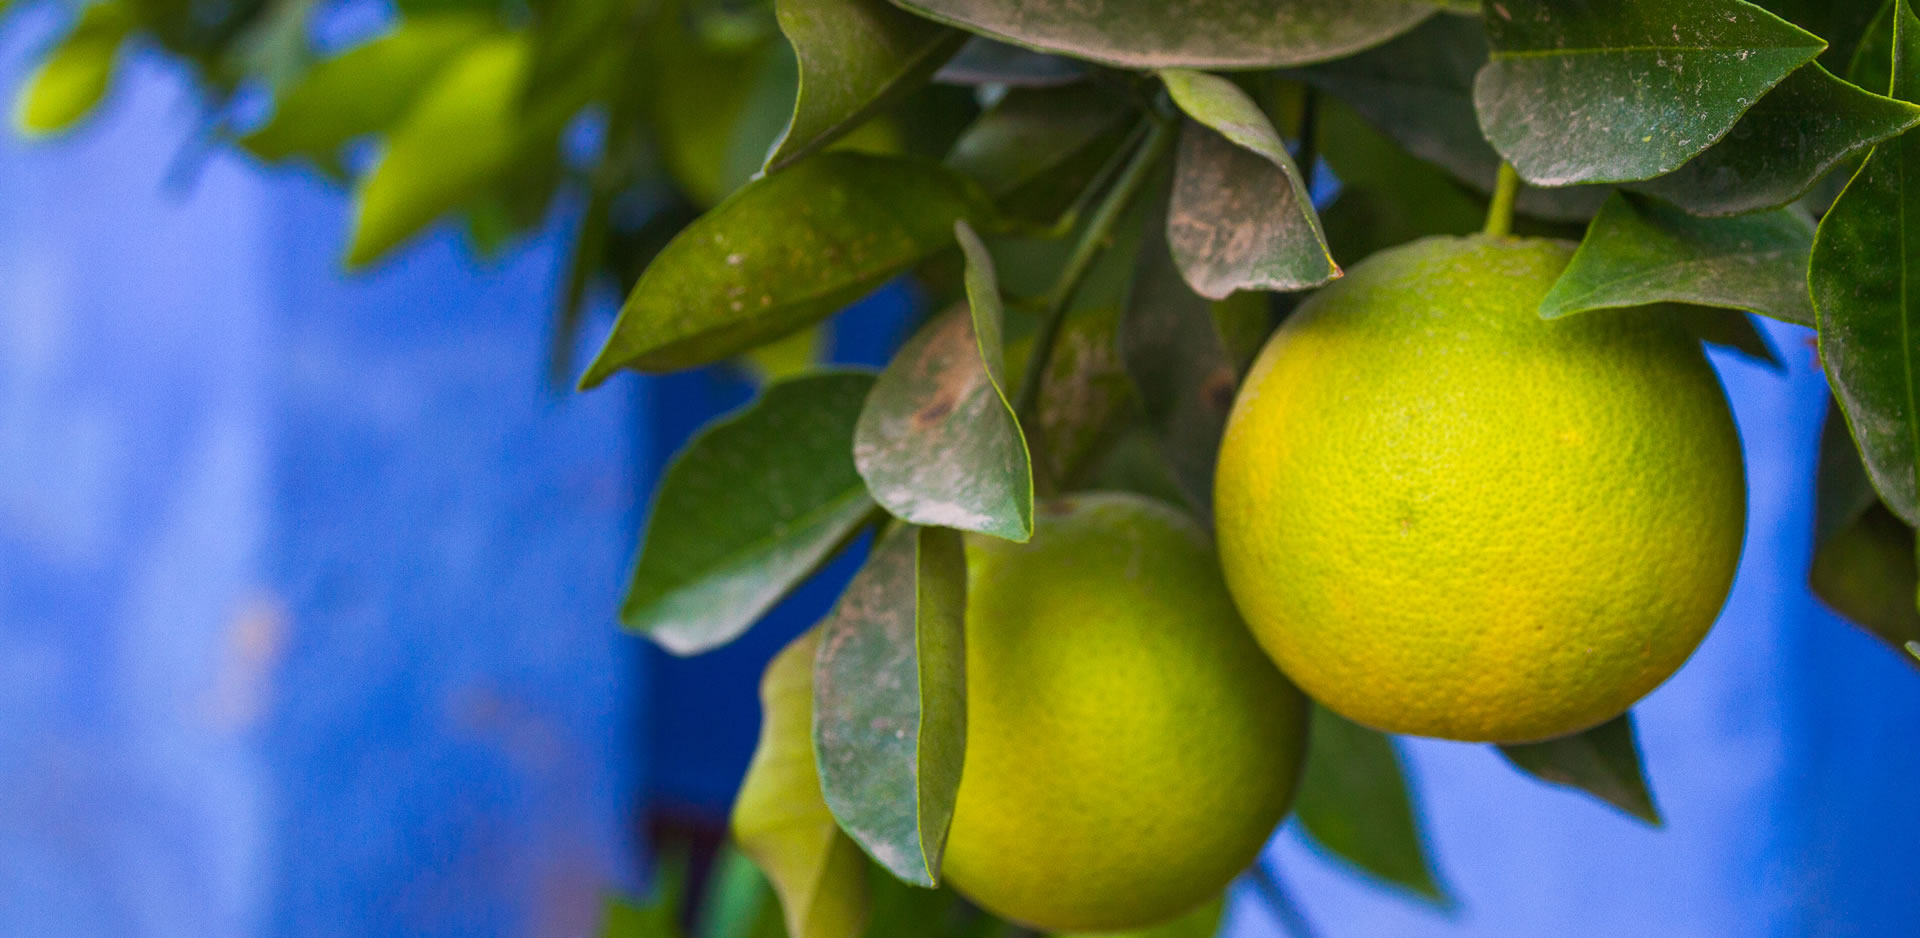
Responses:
[1129,749]
[1442,515]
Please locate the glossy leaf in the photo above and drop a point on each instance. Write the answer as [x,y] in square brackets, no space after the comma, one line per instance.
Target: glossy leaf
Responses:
[364,90]
[1603,762]
[1145,34]
[1239,218]
[463,130]
[1418,91]
[74,76]
[1354,802]
[1803,128]
[856,57]
[1627,90]
[749,509]
[1181,369]
[1202,922]
[938,442]
[1866,288]
[785,251]
[1639,252]
[1863,564]
[780,817]
[890,700]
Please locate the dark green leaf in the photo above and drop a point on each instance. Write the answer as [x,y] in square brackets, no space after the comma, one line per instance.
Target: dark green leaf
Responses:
[1729,328]
[1239,218]
[983,61]
[780,817]
[1863,563]
[1354,802]
[1026,147]
[1387,197]
[462,131]
[1180,367]
[890,700]
[750,508]
[938,442]
[856,57]
[1871,66]
[784,252]
[1202,922]
[1418,90]
[1084,391]
[365,89]
[1841,23]
[1603,762]
[1153,34]
[1866,287]
[1802,129]
[1628,90]
[74,76]
[1639,252]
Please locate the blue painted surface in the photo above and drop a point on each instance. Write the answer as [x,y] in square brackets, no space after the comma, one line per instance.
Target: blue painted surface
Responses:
[306,584]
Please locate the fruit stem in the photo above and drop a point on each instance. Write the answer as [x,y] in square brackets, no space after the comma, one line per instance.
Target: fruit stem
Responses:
[1500,211]
[1133,178]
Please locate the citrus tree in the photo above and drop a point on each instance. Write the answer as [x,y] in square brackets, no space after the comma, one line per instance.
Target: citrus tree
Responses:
[1295,372]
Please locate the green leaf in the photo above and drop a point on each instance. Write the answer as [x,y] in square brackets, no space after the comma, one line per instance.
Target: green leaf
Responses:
[1418,91]
[365,89]
[1181,369]
[890,722]
[1639,252]
[1203,922]
[462,131]
[1803,128]
[717,111]
[1866,287]
[1729,328]
[782,253]
[938,442]
[1603,762]
[1387,197]
[780,818]
[1037,148]
[738,902]
[1354,802]
[1084,391]
[72,78]
[856,57]
[1144,34]
[983,61]
[749,509]
[1863,563]
[1871,65]
[1840,24]
[1627,90]
[1239,218]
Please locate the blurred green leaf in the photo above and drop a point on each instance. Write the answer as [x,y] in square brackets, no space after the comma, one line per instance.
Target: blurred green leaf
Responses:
[1639,252]
[1387,197]
[1627,90]
[785,251]
[1180,367]
[747,511]
[365,89]
[1239,218]
[938,442]
[1866,287]
[1603,762]
[738,902]
[1202,922]
[463,130]
[1146,34]
[1418,91]
[72,78]
[780,818]
[659,915]
[890,722]
[717,111]
[1037,149]
[1804,127]
[983,61]
[1354,802]
[856,57]
[1863,556]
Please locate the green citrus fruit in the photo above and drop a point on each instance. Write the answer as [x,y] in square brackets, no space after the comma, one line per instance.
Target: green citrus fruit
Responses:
[1445,516]
[1129,749]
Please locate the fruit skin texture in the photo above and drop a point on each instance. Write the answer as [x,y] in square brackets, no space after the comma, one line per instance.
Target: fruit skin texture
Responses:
[1444,516]
[1129,749]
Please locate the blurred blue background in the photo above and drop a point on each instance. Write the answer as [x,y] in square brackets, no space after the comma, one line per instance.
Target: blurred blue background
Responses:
[307,593]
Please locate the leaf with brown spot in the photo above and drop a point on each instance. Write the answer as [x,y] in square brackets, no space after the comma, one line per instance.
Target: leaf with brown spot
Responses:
[938,442]
[889,691]
[1239,218]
